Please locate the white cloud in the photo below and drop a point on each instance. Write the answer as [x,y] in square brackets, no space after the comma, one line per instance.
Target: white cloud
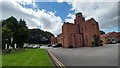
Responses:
[70,18]
[46,19]
[105,13]
[102,12]
[87,1]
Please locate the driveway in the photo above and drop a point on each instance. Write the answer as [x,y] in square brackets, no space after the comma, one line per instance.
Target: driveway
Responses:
[106,55]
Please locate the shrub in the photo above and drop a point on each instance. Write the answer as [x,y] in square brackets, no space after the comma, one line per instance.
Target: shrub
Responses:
[93,43]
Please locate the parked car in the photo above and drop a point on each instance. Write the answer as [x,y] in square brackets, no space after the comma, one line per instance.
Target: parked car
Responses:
[54,45]
[57,45]
[49,45]
[36,46]
[113,42]
[25,46]
[40,45]
[30,46]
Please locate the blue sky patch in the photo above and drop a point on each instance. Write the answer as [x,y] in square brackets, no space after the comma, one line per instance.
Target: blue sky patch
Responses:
[61,9]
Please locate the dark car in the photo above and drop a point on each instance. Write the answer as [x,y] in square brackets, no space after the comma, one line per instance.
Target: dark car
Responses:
[40,45]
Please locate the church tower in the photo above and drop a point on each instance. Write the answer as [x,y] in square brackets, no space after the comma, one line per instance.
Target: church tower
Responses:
[79,18]
[79,22]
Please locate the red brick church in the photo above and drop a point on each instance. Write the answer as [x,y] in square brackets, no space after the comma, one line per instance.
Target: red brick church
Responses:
[77,34]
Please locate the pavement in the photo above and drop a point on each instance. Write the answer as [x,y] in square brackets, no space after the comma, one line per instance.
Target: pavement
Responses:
[106,55]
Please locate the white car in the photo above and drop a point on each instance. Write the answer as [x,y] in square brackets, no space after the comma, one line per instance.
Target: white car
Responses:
[25,46]
[30,46]
[36,46]
[53,45]
[114,42]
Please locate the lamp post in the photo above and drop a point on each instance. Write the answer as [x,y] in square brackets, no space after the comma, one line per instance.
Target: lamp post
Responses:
[6,44]
[10,45]
[11,40]
[15,46]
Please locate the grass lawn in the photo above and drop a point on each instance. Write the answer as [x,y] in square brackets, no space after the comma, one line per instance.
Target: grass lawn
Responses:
[30,57]
[0,59]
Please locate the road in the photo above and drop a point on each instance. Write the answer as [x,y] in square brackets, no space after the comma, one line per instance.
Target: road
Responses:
[106,55]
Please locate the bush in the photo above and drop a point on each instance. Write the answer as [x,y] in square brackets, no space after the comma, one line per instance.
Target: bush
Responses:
[101,43]
[70,46]
[93,43]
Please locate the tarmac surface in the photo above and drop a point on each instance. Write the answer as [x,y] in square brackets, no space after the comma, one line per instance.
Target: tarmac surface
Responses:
[106,55]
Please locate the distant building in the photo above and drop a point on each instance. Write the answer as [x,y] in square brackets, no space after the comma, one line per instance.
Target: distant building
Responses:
[104,37]
[78,34]
[111,37]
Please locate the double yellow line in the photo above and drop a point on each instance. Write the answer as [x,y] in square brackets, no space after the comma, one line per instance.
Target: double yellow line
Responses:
[56,60]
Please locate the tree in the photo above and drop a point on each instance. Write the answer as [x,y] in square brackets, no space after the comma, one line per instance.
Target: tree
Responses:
[1,34]
[102,32]
[39,36]
[22,24]
[20,33]
[96,40]
[20,36]
[15,29]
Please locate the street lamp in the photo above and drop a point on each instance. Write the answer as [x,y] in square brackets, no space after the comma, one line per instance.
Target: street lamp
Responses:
[6,44]
[11,40]
[10,45]
[15,46]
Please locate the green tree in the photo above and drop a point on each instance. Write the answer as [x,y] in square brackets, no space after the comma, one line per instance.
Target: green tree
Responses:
[15,29]
[39,36]
[102,32]
[96,40]
[20,33]
[22,24]
[20,36]
[1,34]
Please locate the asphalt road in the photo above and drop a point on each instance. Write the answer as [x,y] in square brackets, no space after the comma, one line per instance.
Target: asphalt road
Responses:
[106,55]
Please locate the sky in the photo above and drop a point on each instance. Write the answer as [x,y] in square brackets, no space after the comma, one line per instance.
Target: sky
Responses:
[49,15]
